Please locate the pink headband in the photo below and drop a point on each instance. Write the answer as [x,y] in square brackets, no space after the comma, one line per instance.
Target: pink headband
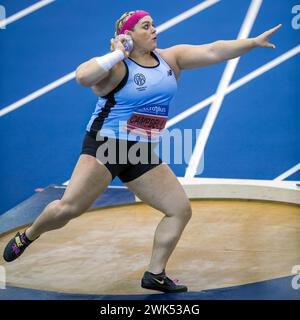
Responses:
[133,20]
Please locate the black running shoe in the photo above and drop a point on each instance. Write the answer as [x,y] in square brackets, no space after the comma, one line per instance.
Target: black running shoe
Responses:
[16,247]
[161,282]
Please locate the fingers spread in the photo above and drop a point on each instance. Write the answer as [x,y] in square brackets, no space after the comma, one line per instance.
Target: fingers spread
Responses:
[270,45]
[276,28]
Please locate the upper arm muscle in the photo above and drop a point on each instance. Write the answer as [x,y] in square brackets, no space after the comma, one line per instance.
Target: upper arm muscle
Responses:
[105,86]
[194,56]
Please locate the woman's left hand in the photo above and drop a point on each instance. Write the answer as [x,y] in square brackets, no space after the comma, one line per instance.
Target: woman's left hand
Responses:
[262,40]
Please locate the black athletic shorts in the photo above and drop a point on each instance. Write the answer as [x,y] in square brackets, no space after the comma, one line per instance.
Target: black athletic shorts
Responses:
[126,159]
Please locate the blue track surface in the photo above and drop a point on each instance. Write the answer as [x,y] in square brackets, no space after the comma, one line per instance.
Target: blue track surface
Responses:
[257,132]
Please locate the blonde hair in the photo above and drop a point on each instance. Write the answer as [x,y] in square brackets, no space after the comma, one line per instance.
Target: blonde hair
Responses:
[120,22]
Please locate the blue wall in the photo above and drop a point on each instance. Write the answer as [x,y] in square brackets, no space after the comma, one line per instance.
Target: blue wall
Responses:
[256,134]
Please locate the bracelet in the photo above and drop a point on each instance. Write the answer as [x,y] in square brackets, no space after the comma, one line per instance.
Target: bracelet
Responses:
[107,61]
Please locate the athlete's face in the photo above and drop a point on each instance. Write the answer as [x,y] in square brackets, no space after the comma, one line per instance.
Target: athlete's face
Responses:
[144,34]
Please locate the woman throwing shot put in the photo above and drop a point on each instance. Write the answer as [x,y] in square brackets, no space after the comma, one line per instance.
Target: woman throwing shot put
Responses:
[134,88]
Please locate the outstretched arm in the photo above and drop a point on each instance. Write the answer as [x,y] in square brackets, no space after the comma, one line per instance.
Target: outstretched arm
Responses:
[192,57]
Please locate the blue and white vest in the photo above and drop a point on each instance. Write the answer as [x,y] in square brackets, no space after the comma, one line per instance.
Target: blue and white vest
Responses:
[137,109]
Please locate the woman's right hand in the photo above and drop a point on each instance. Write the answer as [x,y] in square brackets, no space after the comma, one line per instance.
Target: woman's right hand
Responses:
[117,45]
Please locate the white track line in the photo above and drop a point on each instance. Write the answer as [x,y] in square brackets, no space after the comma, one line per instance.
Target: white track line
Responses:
[242,81]
[220,94]
[110,187]
[168,24]
[25,12]
[226,181]
[288,173]
[37,93]
[185,15]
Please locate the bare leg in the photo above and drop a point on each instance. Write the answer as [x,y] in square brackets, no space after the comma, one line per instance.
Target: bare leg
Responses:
[160,189]
[89,179]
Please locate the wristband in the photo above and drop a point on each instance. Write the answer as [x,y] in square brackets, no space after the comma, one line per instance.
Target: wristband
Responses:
[107,61]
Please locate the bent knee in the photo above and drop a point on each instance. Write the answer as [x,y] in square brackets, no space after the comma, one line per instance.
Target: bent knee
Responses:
[183,211]
[66,211]
[187,212]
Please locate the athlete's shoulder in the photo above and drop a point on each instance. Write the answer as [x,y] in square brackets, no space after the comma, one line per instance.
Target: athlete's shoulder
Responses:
[169,56]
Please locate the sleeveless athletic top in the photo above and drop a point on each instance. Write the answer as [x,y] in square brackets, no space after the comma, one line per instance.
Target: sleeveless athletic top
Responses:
[137,109]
